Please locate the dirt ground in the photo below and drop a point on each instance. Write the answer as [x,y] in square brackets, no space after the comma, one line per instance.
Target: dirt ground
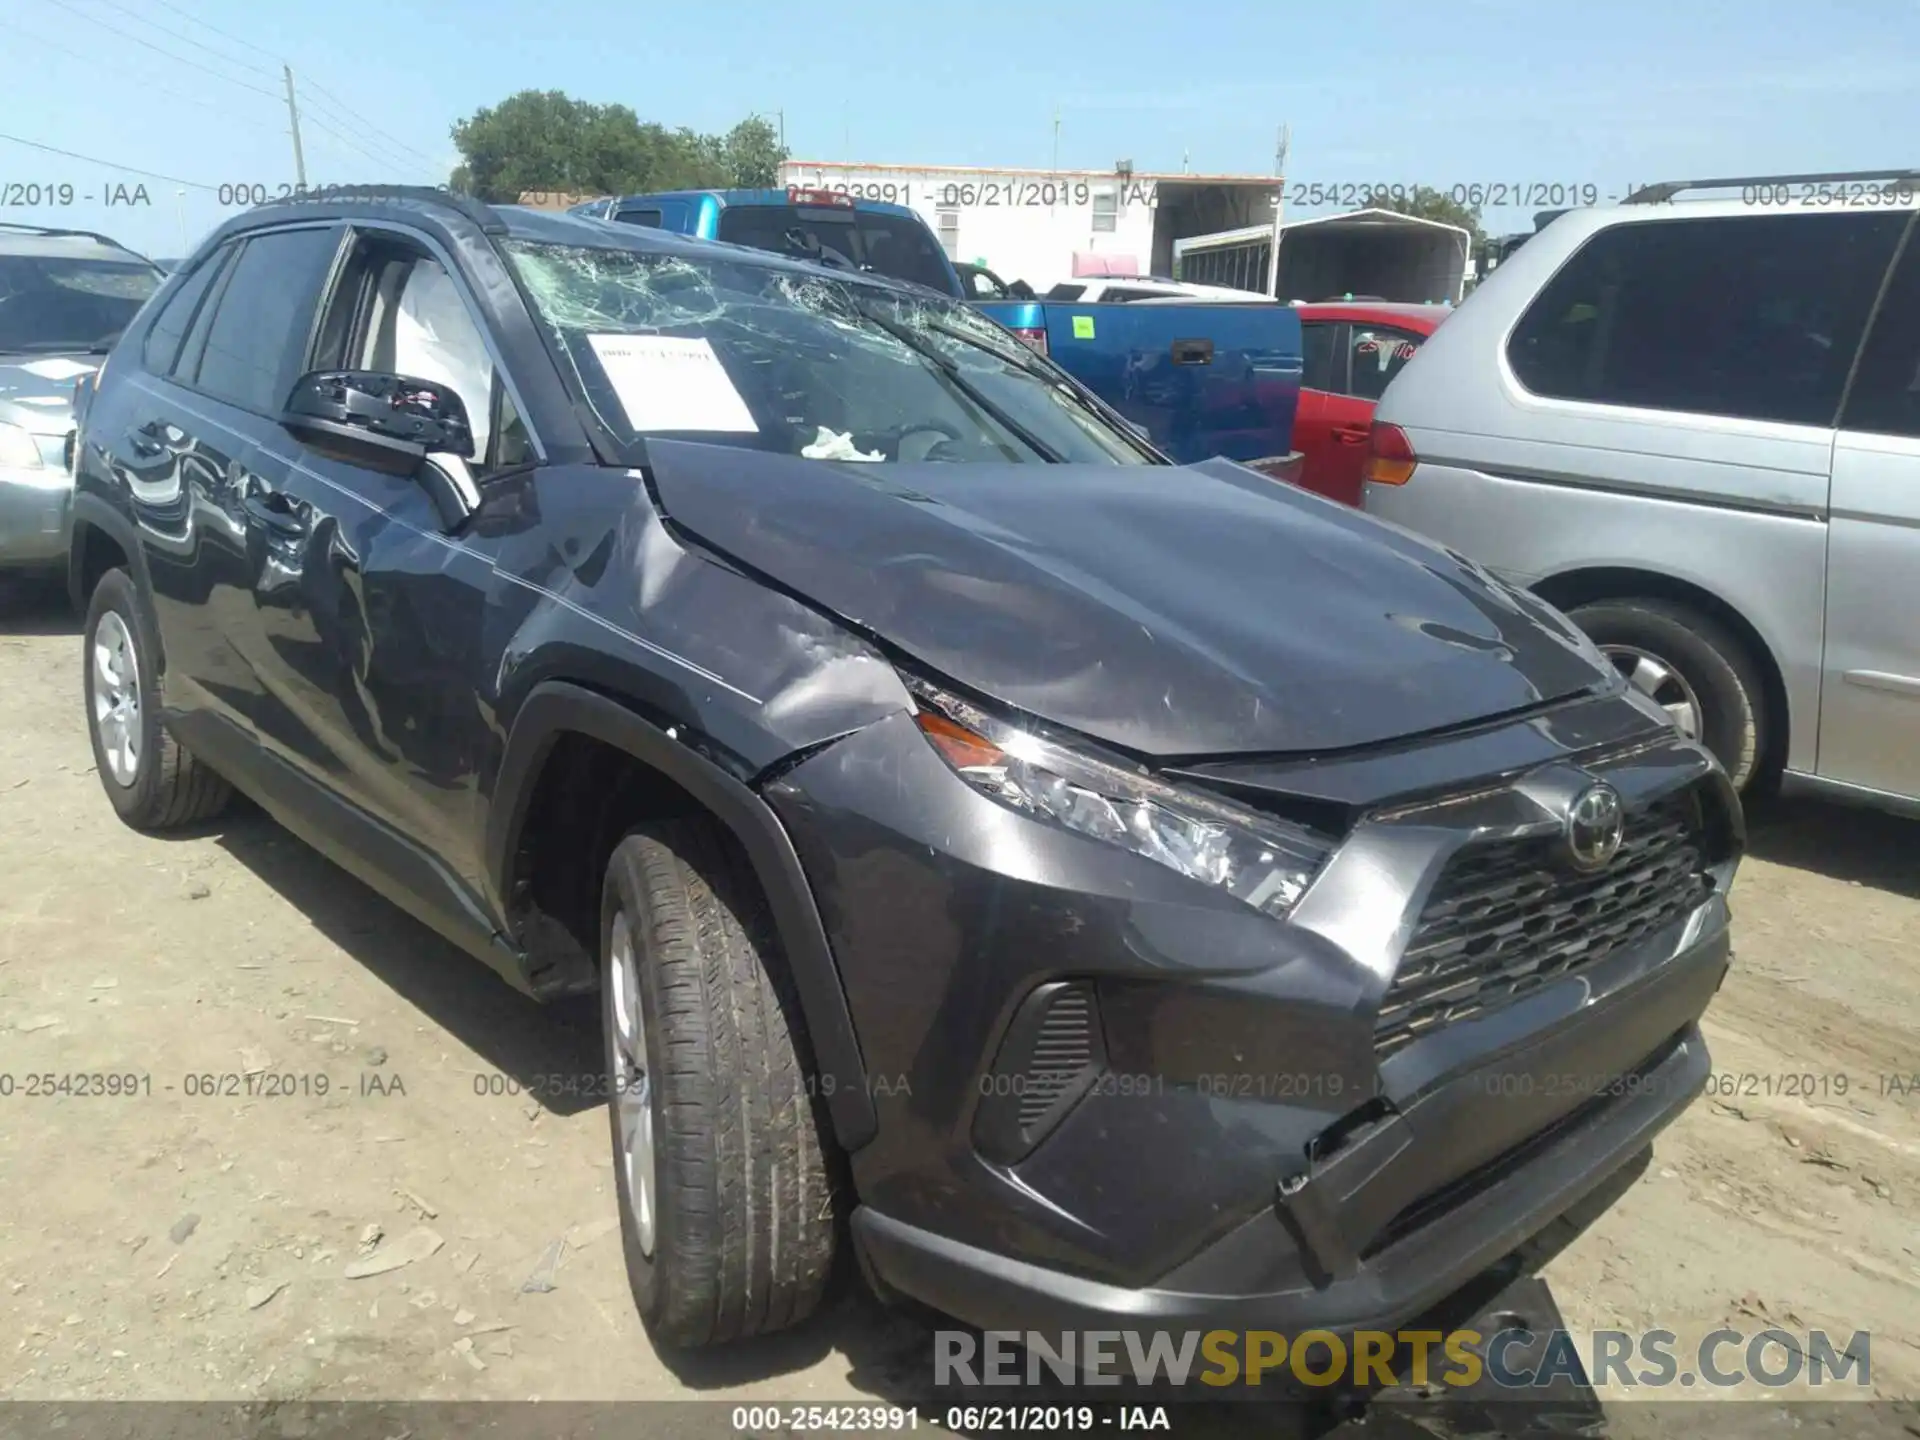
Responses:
[175,1245]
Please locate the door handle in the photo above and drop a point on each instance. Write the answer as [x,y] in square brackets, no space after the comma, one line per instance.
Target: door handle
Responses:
[1193,352]
[274,512]
[1349,435]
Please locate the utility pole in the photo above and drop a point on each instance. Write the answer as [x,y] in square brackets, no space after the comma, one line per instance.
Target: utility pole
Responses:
[1279,204]
[293,113]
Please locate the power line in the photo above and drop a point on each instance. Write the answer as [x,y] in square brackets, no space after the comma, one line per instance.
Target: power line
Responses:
[95,60]
[177,59]
[320,123]
[349,116]
[342,113]
[110,164]
[187,39]
[209,25]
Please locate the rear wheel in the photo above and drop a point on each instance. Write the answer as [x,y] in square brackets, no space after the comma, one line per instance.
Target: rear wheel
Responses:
[154,784]
[1694,668]
[719,1147]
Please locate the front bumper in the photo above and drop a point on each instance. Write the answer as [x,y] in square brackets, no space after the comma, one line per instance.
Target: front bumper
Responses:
[1250,1150]
[1260,1274]
[36,516]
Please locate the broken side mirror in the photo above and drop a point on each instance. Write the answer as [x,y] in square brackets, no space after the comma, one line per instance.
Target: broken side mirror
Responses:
[386,422]
[397,424]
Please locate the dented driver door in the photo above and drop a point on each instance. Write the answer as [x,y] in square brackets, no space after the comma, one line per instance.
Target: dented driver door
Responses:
[376,599]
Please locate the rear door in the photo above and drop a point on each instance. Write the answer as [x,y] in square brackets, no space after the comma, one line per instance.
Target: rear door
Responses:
[182,435]
[1203,379]
[1374,355]
[1323,375]
[241,358]
[1870,685]
[170,460]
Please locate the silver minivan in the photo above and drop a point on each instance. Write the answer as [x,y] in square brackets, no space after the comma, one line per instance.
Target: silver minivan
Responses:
[1695,426]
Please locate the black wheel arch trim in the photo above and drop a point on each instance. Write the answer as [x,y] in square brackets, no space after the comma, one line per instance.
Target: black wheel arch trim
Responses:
[93,512]
[556,707]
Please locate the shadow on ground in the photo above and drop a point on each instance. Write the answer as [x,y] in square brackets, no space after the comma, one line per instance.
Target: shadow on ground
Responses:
[34,606]
[1839,841]
[527,1042]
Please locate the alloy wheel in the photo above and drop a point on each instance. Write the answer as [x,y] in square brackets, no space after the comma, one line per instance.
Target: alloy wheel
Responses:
[1658,680]
[632,1080]
[116,697]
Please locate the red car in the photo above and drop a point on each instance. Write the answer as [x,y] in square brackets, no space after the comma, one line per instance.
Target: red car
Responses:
[1353,348]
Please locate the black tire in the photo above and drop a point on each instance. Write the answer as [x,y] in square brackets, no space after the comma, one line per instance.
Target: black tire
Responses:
[168,787]
[1713,663]
[743,1207]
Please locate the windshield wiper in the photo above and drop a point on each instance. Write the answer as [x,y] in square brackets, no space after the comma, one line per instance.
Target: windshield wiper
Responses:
[949,368]
[1030,364]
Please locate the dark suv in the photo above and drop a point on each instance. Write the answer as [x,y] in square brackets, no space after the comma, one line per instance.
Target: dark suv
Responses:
[1102,890]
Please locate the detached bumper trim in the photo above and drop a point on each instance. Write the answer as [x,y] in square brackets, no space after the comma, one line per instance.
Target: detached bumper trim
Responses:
[1400,1282]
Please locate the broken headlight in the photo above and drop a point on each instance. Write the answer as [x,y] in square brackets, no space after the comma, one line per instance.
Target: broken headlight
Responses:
[1263,861]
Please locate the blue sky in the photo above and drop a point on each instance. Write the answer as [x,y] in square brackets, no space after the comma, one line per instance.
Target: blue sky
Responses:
[1446,93]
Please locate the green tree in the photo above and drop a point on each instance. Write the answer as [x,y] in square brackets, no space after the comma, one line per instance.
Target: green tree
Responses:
[545,140]
[752,154]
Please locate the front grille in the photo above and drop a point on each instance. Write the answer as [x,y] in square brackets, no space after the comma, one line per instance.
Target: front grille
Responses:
[1505,919]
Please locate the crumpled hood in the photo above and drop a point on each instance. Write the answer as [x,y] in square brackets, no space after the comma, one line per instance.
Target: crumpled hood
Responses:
[36,391]
[1197,610]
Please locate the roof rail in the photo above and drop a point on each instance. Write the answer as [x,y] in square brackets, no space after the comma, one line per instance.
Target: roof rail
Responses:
[60,230]
[1655,194]
[478,211]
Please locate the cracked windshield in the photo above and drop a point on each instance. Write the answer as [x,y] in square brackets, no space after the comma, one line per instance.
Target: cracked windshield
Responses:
[799,364]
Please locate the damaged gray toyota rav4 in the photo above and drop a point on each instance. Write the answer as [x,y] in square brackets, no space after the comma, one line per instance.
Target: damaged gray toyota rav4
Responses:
[1098,891]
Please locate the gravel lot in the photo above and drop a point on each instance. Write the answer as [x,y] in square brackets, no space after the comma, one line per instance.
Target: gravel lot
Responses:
[180,1246]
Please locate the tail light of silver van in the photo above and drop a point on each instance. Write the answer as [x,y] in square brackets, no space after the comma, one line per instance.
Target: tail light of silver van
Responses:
[1390,457]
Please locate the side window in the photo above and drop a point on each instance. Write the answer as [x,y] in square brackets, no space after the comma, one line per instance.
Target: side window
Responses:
[169,328]
[1756,317]
[640,217]
[1885,397]
[259,331]
[512,446]
[396,310]
[1321,372]
[1064,291]
[1379,354]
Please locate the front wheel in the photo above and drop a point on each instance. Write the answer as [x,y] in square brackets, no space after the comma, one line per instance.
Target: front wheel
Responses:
[719,1147]
[1694,668]
[151,780]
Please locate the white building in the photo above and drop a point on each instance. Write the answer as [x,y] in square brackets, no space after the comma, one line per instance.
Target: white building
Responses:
[1047,225]
[1377,253]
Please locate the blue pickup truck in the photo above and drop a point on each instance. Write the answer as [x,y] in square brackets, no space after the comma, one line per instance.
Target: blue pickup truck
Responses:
[1200,379]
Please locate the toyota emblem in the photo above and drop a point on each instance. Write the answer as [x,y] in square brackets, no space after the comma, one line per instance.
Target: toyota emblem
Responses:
[1596,824]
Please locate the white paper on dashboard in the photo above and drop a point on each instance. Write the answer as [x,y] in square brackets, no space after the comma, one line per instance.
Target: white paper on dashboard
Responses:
[57,369]
[671,382]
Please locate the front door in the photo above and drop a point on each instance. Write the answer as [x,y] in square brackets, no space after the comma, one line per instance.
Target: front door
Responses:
[376,593]
[1870,686]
